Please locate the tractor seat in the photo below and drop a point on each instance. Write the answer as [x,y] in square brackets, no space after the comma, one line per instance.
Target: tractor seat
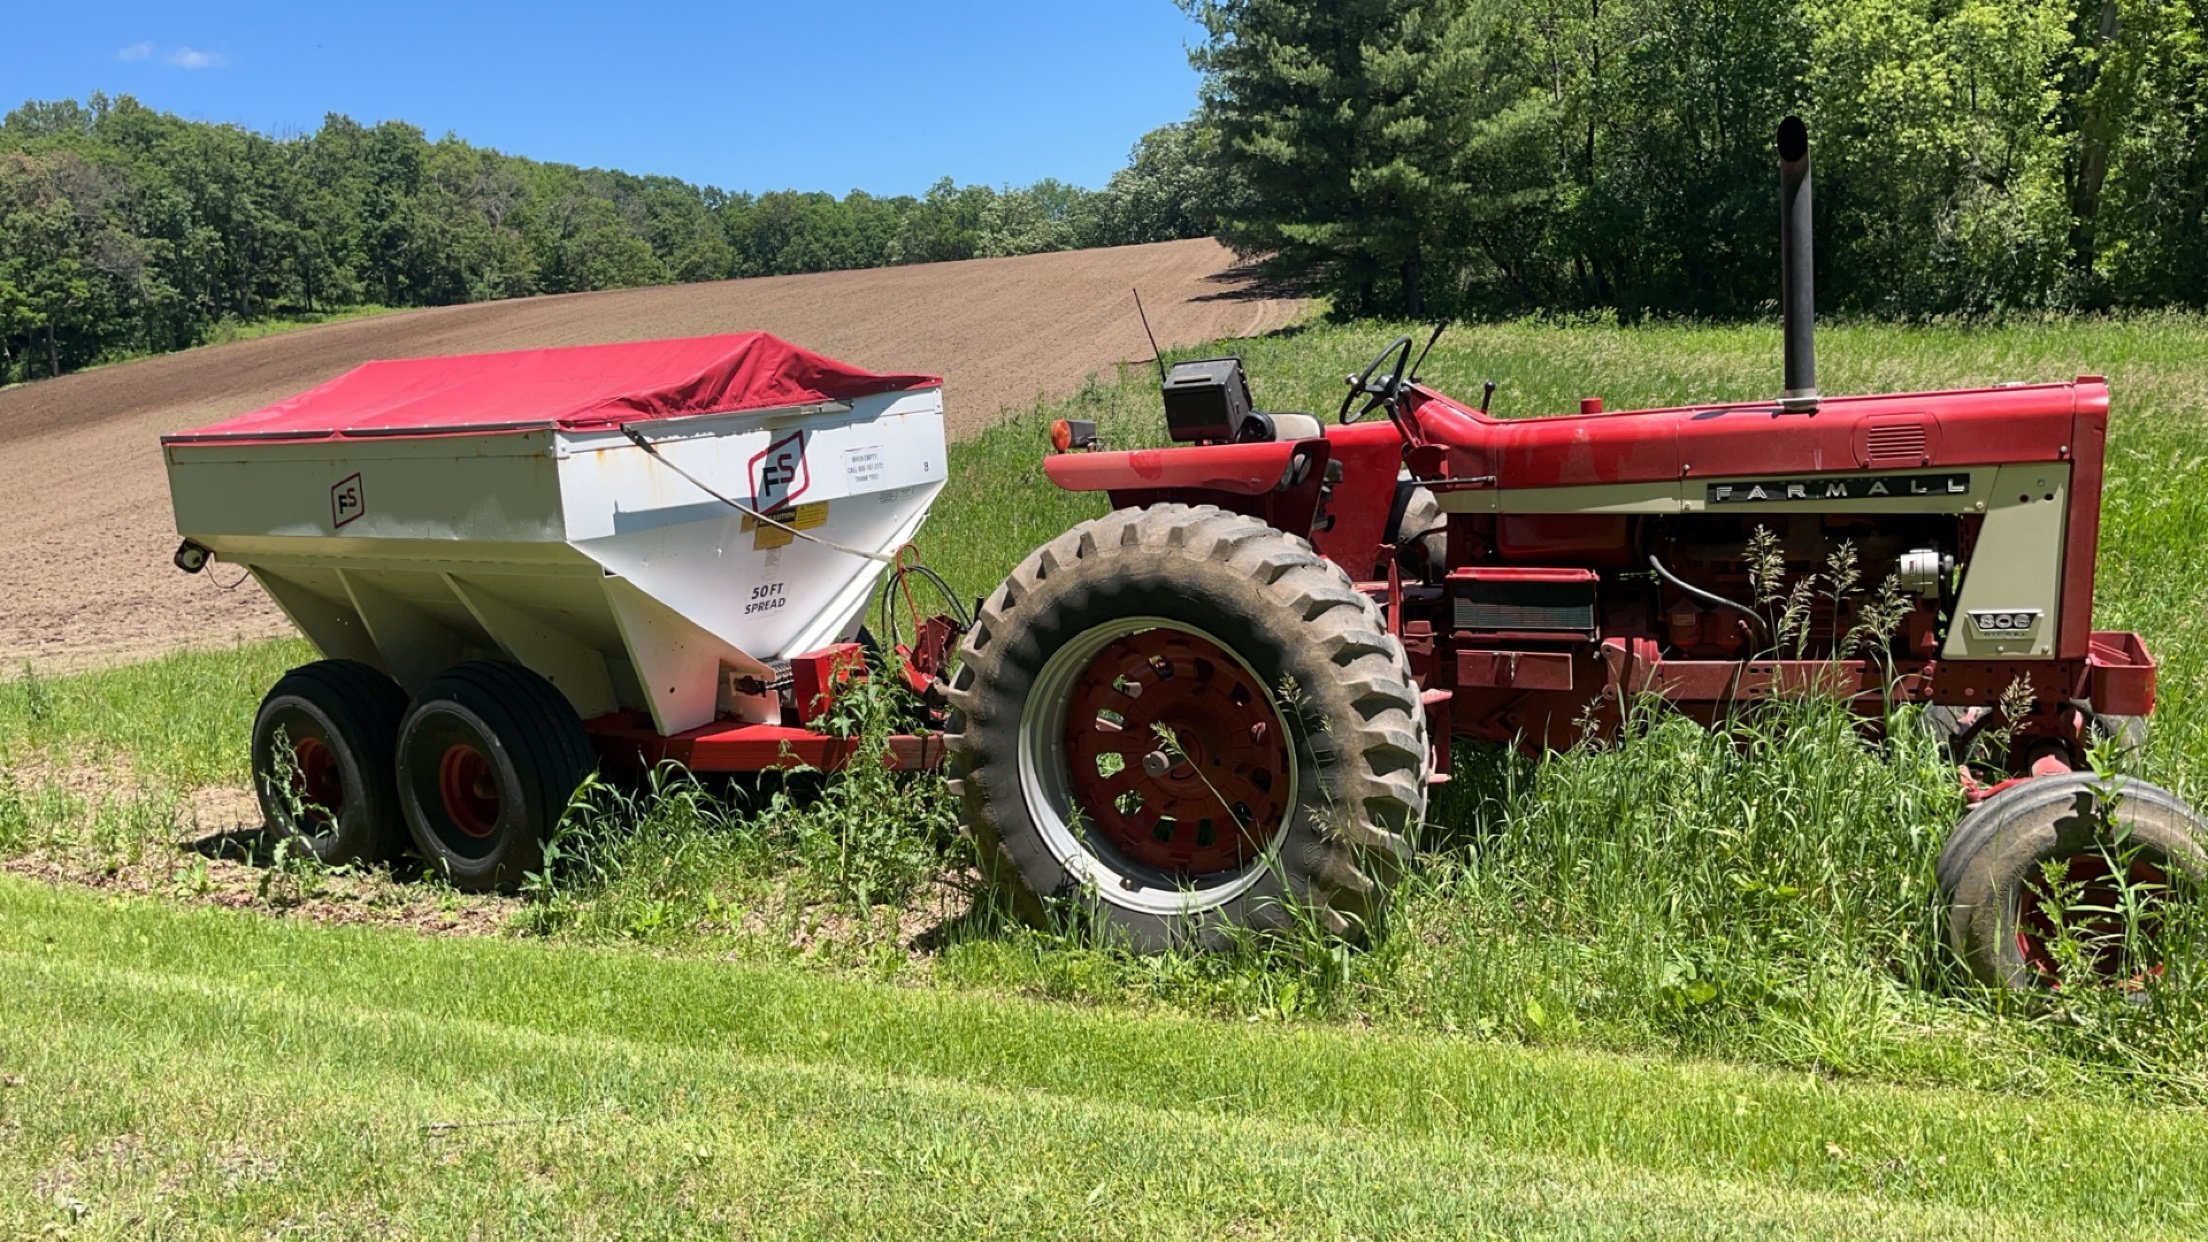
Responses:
[1285,426]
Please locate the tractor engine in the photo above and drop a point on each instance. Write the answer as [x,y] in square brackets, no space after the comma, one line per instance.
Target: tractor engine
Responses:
[1858,586]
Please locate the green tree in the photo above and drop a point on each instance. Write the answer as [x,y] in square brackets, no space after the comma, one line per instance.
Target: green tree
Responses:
[2140,156]
[1171,188]
[1940,166]
[1346,123]
[943,225]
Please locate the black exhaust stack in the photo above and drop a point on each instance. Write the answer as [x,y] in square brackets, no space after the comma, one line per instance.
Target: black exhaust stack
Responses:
[1797,291]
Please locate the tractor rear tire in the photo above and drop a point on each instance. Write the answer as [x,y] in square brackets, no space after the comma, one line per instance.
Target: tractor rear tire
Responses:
[489,756]
[1179,721]
[323,746]
[1990,871]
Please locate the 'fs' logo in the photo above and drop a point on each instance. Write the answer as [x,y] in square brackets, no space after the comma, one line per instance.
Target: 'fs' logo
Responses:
[779,474]
[348,500]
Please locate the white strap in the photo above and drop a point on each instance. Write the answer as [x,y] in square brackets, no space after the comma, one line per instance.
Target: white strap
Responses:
[637,438]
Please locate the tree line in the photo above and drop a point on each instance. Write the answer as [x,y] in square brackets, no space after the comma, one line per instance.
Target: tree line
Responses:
[1466,157]
[1484,156]
[125,230]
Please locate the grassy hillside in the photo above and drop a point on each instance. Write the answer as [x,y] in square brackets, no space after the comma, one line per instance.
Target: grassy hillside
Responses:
[164,1069]
[1764,897]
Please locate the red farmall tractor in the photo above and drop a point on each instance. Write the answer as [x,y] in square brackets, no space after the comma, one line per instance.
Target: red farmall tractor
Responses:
[1225,701]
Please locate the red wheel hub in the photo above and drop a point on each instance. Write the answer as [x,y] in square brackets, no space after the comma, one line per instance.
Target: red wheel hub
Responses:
[2093,913]
[320,781]
[1176,753]
[468,786]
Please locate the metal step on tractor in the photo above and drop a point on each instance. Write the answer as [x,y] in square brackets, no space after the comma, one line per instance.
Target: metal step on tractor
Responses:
[1225,702]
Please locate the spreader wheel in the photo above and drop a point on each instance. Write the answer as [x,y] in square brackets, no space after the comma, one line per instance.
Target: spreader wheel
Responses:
[2068,874]
[489,755]
[1185,721]
[322,760]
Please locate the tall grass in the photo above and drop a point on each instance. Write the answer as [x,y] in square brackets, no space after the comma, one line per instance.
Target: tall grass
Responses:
[765,861]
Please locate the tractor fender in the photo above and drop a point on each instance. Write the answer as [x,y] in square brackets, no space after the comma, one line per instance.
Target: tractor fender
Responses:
[1277,481]
[1240,469]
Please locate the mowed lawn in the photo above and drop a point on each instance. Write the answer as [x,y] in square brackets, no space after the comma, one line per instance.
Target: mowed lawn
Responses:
[175,1070]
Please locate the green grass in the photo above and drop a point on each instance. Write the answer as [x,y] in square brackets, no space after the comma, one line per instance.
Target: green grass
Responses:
[187,1071]
[181,719]
[1758,897]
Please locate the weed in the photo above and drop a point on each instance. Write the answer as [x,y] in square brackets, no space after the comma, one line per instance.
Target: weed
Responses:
[1878,621]
[675,857]
[293,875]
[38,702]
[877,833]
[15,814]
[195,880]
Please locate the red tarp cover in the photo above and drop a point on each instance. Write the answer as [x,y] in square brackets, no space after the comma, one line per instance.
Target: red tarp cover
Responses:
[586,387]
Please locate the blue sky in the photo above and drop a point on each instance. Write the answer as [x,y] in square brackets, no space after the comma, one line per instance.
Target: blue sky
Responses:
[828,95]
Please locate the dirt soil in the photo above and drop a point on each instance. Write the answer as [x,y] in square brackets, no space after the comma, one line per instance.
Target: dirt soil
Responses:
[84,500]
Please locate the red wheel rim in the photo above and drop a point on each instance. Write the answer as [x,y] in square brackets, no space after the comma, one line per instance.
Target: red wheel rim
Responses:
[2096,915]
[1176,753]
[468,786]
[319,782]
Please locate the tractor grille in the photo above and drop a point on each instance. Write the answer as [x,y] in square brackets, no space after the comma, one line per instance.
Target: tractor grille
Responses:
[1566,607]
[1895,444]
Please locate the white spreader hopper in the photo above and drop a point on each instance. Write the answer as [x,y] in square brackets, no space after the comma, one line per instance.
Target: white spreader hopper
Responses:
[649,526]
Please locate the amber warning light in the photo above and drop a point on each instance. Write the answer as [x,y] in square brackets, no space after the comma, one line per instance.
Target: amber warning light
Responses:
[1072,433]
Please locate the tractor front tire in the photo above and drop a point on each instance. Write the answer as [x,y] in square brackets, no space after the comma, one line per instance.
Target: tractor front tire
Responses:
[2104,837]
[323,743]
[1421,537]
[489,755]
[1177,721]
[2126,734]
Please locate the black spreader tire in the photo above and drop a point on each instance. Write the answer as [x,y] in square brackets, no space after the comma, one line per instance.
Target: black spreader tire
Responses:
[1996,850]
[534,754]
[1295,620]
[351,713]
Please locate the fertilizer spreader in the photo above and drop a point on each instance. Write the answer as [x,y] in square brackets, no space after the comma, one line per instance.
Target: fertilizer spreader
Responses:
[522,564]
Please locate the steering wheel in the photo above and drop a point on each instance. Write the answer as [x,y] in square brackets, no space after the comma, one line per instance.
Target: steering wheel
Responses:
[1384,394]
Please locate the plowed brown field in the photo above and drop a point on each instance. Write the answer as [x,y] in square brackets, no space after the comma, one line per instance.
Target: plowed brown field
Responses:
[84,503]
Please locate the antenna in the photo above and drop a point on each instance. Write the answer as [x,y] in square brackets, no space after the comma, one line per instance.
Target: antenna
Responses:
[1156,355]
[1439,326]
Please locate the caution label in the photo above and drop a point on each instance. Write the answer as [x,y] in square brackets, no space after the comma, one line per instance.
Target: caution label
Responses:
[802,517]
